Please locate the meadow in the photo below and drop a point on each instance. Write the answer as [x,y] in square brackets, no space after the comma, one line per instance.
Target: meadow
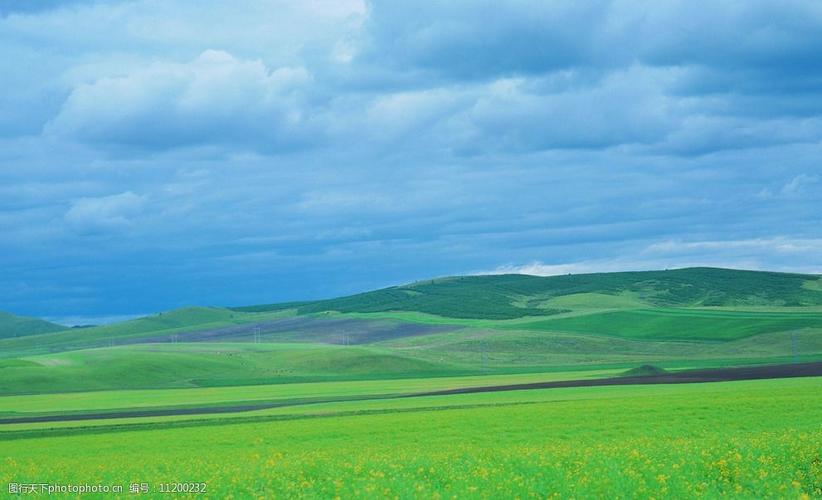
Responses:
[683,324]
[329,398]
[738,439]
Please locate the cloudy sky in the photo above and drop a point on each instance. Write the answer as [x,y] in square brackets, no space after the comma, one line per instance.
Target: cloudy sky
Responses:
[162,153]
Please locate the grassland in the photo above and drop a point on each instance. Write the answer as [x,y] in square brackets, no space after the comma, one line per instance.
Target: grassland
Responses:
[585,322]
[451,354]
[75,402]
[314,394]
[741,439]
[514,296]
[679,324]
[156,328]
[208,364]
[12,326]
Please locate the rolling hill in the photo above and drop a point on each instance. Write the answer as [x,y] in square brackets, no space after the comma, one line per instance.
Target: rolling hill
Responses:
[502,297]
[441,327]
[160,327]
[20,326]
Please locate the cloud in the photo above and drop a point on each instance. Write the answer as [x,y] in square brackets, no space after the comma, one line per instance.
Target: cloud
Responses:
[538,268]
[539,77]
[776,245]
[688,93]
[624,108]
[106,213]
[92,320]
[767,254]
[757,35]
[798,185]
[213,99]
[491,39]
[156,154]
[9,7]
[463,39]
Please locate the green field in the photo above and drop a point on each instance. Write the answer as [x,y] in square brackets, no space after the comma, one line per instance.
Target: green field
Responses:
[514,296]
[160,326]
[680,324]
[12,326]
[437,328]
[741,439]
[321,399]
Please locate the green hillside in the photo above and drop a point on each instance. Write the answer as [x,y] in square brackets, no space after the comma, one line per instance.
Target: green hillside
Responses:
[684,324]
[441,327]
[208,364]
[453,353]
[500,297]
[12,326]
[160,326]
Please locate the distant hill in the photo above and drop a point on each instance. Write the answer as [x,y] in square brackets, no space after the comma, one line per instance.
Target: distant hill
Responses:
[447,326]
[170,322]
[514,296]
[632,305]
[20,326]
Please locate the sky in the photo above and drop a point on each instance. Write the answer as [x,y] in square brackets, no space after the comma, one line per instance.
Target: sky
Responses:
[156,154]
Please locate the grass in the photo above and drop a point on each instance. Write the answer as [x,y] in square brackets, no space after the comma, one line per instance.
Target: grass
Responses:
[209,364]
[12,326]
[585,301]
[460,297]
[165,398]
[452,354]
[644,371]
[160,326]
[680,324]
[742,439]
[341,431]
[626,305]
[516,347]
[448,354]
[503,297]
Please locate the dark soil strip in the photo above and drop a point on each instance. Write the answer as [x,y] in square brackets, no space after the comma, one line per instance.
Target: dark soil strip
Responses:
[684,377]
[172,424]
[135,413]
[199,410]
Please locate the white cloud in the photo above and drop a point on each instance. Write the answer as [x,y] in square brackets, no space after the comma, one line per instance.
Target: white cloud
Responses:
[538,268]
[92,320]
[106,213]
[771,245]
[767,254]
[571,111]
[798,184]
[216,98]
